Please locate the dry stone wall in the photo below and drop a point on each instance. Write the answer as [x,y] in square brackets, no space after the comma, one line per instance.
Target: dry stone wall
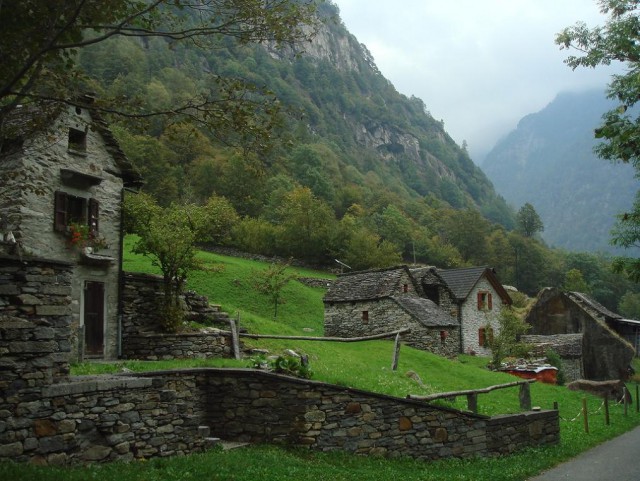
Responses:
[142,332]
[256,406]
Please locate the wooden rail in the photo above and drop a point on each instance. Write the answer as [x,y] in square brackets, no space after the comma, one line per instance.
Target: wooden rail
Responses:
[333,339]
[472,394]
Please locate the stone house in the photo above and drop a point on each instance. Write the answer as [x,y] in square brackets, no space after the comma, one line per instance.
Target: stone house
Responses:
[605,353]
[383,300]
[473,295]
[61,192]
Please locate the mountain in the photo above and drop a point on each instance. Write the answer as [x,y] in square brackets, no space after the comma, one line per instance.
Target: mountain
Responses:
[548,161]
[336,96]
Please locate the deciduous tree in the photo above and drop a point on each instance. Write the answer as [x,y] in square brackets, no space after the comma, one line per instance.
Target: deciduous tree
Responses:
[529,222]
[40,41]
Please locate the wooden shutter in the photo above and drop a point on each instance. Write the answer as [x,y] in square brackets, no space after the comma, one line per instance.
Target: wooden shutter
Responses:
[94,209]
[479,301]
[481,336]
[60,215]
[489,301]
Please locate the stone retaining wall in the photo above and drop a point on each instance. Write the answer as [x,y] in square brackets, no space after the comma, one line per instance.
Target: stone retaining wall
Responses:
[142,332]
[95,419]
[256,406]
[212,343]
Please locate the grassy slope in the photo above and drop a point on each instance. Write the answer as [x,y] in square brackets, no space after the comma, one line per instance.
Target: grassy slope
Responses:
[360,365]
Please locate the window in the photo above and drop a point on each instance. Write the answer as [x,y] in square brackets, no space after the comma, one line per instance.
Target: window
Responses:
[485,301]
[405,288]
[70,209]
[77,140]
[485,336]
[443,336]
[365,317]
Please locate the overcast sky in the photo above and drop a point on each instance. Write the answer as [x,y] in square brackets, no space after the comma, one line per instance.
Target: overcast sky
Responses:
[479,65]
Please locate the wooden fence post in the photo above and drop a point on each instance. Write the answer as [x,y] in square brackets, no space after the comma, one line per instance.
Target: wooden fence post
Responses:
[585,415]
[525,397]
[235,339]
[606,409]
[396,353]
[624,400]
[472,403]
[637,400]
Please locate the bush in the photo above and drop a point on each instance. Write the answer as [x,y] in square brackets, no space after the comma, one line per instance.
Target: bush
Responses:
[554,359]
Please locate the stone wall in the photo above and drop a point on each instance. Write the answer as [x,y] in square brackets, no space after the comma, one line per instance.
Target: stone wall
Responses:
[256,406]
[473,319]
[142,336]
[187,345]
[100,419]
[35,318]
[345,319]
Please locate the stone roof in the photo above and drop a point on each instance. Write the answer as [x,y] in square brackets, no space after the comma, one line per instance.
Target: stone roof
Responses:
[366,285]
[593,304]
[426,311]
[566,345]
[461,281]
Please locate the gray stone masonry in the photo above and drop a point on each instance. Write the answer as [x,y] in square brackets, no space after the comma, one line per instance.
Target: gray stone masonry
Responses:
[256,406]
[142,332]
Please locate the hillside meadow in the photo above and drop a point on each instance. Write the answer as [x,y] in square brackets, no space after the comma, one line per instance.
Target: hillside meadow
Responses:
[228,281]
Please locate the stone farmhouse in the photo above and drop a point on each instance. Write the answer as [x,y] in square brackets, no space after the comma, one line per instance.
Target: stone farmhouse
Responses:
[448,311]
[61,199]
[474,295]
[570,319]
[384,300]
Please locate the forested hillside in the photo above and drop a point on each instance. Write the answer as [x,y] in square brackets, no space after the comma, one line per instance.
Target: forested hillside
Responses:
[352,169]
[549,162]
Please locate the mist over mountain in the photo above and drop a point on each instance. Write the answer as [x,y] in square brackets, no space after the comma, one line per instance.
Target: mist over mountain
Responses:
[548,161]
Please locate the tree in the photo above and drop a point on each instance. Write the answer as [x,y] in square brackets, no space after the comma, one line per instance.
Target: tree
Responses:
[529,222]
[167,235]
[574,282]
[272,280]
[616,41]
[507,342]
[40,41]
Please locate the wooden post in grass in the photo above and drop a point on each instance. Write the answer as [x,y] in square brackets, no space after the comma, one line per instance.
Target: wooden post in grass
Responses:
[637,400]
[396,353]
[624,399]
[472,402]
[585,415]
[525,397]
[606,409]
[235,339]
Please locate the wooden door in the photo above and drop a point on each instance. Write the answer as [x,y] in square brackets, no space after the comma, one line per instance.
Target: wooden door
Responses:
[94,318]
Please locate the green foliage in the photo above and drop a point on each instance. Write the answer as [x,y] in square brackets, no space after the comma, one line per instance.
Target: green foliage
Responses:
[629,305]
[506,343]
[272,281]
[52,33]
[529,222]
[574,282]
[555,360]
[168,237]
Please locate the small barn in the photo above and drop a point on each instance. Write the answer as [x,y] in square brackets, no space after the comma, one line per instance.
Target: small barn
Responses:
[605,353]
[382,300]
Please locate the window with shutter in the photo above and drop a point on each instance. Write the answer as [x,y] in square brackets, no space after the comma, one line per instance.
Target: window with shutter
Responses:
[365,316]
[481,337]
[60,211]
[94,208]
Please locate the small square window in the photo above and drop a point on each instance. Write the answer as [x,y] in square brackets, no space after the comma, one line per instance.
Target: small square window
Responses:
[365,316]
[77,140]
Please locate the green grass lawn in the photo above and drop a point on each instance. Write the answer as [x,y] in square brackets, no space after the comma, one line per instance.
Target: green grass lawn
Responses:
[360,365]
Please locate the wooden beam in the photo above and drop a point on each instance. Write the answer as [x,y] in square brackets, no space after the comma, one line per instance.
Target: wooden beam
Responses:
[330,339]
[432,397]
